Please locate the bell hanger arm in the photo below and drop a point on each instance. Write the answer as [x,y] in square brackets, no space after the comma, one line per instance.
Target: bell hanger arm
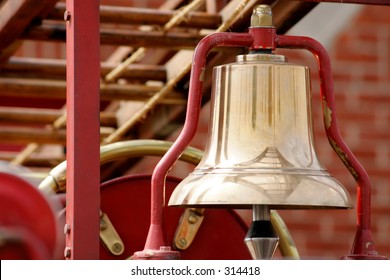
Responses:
[156,236]
[363,245]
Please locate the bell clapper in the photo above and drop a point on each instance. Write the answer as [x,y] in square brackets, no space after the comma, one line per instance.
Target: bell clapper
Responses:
[261,238]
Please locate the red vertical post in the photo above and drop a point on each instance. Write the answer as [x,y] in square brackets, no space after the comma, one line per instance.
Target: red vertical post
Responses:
[83,125]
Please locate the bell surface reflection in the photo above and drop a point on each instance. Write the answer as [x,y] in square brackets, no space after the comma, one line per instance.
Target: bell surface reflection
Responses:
[260,146]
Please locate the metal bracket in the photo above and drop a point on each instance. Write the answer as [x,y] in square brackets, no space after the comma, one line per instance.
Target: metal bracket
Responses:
[109,236]
[187,228]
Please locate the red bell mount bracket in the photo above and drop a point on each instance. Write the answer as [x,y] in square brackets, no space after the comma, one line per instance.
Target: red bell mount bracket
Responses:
[258,38]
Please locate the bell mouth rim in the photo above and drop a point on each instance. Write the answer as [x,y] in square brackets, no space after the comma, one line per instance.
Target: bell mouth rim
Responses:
[271,206]
[230,171]
[277,191]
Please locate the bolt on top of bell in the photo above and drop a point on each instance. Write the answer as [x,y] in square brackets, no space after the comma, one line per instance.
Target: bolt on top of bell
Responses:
[262,16]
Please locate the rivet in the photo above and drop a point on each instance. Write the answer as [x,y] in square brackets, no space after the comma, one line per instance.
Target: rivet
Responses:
[192,219]
[67,16]
[103,225]
[117,248]
[67,252]
[165,248]
[182,243]
[66,229]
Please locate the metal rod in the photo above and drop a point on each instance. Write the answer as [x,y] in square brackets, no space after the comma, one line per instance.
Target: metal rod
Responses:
[109,36]
[261,213]
[57,90]
[44,116]
[37,161]
[146,16]
[83,164]
[55,69]
[38,136]
[138,54]
[26,135]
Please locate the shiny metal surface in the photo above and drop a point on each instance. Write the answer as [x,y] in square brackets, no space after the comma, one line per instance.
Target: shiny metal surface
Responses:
[262,248]
[261,213]
[260,147]
[188,227]
[262,16]
[261,239]
[286,242]
[109,236]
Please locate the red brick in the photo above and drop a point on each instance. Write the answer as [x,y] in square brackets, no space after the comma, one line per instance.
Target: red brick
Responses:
[374,14]
[348,55]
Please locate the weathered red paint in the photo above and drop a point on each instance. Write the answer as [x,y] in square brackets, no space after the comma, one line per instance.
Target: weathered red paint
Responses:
[83,164]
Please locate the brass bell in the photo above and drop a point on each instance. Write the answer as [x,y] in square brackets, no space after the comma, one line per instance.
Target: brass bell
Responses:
[260,151]
[260,148]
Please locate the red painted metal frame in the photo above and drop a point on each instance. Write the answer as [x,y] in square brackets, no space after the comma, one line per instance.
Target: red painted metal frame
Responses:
[363,247]
[83,163]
